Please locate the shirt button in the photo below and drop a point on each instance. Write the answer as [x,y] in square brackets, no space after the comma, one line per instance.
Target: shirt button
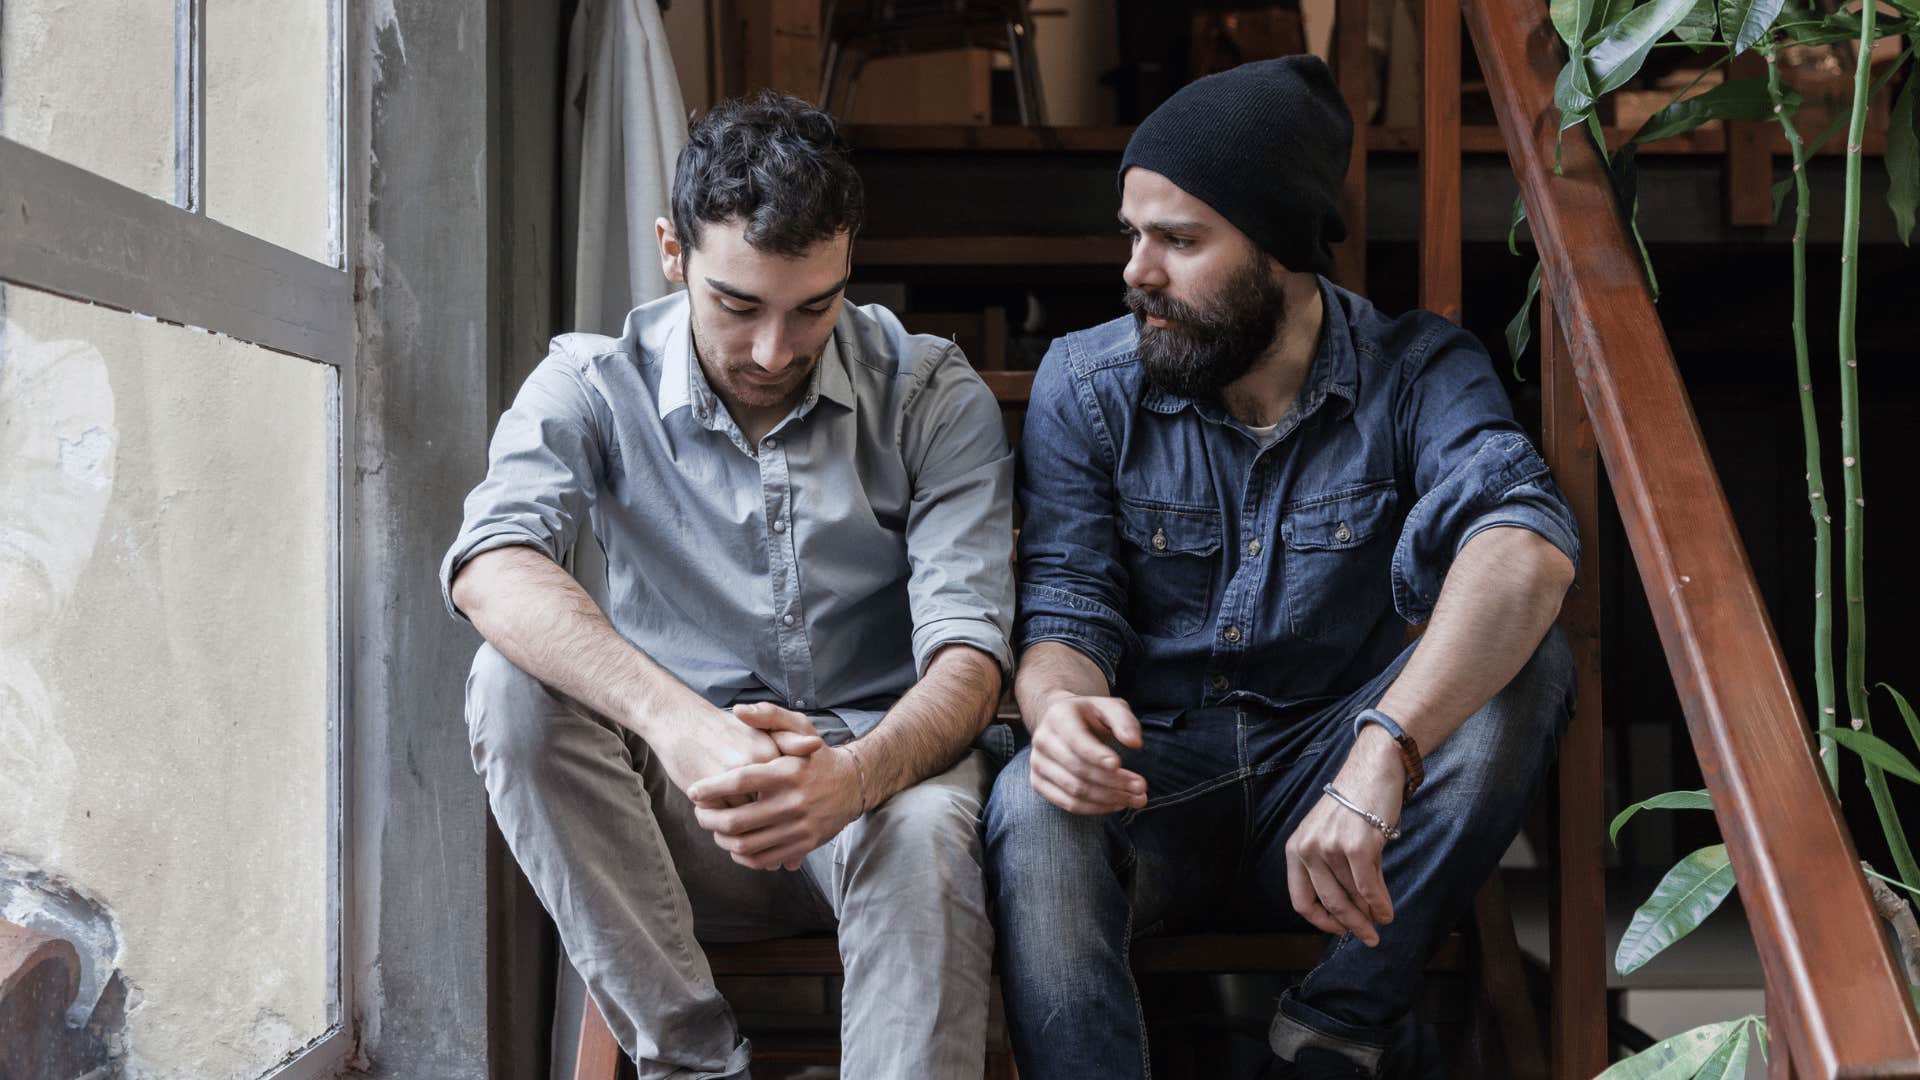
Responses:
[1219,682]
[786,620]
[1253,546]
[1159,540]
[1232,633]
[799,703]
[771,444]
[1343,534]
[779,525]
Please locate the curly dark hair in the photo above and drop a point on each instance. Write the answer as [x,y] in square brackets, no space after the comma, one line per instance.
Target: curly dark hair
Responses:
[774,162]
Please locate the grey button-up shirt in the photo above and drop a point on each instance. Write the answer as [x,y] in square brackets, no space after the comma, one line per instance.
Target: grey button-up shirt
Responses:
[873,526]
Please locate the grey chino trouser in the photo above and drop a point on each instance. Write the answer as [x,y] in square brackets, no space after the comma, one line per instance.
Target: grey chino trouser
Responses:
[634,884]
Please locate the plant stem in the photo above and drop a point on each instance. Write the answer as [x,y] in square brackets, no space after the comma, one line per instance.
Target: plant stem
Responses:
[1810,430]
[1850,450]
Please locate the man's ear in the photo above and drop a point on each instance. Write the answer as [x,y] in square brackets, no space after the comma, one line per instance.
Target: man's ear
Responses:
[672,255]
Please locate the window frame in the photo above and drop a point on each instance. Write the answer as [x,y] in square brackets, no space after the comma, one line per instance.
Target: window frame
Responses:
[71,232]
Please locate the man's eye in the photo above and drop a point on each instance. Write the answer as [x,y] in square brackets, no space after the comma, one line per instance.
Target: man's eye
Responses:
[731,310]
[816,312]
[1179,242]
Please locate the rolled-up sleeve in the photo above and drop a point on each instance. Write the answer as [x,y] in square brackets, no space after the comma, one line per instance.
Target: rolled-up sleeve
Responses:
[1473,469]
[960,520]
[1073,586]
[543,467]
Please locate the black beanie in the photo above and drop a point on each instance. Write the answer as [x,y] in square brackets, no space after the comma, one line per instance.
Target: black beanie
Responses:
[1266,145]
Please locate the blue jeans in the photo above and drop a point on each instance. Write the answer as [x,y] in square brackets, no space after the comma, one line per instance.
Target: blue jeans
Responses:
[1226,786]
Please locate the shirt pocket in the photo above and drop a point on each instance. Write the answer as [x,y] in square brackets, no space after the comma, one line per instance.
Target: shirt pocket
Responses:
[1172,554]
[1339,553]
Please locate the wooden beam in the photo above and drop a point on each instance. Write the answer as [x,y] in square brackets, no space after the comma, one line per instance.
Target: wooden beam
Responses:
[1750,155]
[1440,158]
[1352,65]
[1838,992]
[1578,913]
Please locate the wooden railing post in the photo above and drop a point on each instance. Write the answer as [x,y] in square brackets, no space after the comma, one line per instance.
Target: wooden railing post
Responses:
[1352,65]
[1440,159]
[1578,916]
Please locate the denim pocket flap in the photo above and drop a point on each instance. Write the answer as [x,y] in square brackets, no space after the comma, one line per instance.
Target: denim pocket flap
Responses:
[1162,531]
[1338,522]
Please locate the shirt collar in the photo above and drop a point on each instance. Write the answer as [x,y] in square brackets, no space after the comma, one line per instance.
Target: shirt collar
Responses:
[1332,372]
[684,384]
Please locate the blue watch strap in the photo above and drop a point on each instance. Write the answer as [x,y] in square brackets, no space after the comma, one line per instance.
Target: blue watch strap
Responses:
[1375,716]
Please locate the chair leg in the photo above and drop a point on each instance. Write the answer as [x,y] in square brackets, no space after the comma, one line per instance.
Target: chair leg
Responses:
[599,1054]
[1503,981]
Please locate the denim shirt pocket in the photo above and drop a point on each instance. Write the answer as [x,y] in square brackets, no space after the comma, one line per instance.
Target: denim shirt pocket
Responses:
[1339,551]
[1172,555]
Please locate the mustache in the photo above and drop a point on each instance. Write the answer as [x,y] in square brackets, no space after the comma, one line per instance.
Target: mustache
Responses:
[1161,306]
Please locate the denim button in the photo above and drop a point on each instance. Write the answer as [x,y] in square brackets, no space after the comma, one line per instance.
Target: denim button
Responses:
[1253,546]
[779,525]
[1159,540]
[799,703]
[1232,633]
[1219,682]
[771,444]
[1343,534]
[786,620]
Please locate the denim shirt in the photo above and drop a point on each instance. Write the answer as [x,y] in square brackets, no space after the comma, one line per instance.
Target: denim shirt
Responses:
[821,569]
[1197,567]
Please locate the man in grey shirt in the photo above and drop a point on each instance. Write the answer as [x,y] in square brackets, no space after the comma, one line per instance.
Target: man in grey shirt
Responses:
[806,517]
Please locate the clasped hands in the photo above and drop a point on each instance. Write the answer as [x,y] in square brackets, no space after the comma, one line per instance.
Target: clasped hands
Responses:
[1334,878]
[763,782]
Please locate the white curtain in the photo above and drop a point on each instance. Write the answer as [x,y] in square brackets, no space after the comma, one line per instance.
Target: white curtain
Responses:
[624,126]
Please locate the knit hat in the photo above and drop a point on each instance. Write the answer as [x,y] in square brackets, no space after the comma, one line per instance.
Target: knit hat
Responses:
[1266,145]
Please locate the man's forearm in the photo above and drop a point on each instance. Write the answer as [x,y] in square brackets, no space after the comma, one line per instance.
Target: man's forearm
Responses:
[540,618]
[1500,597]
[1053,669]
[930,726]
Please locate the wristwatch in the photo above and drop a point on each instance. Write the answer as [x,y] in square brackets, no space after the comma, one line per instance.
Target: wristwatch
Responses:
[1409,750]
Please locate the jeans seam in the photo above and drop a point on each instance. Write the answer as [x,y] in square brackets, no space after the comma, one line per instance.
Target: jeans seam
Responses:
[1186,795]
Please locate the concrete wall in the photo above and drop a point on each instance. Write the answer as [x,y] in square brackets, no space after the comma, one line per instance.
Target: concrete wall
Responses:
[418,173]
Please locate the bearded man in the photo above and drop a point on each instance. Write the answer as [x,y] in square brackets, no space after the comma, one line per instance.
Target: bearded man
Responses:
[1236,499]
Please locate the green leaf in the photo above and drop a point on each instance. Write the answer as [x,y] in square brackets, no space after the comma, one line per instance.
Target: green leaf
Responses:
[1670,800]
[1741,99]
[1677,1058]
[1700,25]
[1903,161]
[1690,892]
[1729,1062]
[1906,712]
[1520,327]
[1572,95]
[1570,19]
[1616,53]
[1874,751]
[1514,217]
[1742,22]
[1780,191]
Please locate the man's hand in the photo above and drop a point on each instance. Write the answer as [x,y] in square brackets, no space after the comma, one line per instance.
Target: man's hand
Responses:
[711,742]
[772,814]
[1333,857]
[1073,767]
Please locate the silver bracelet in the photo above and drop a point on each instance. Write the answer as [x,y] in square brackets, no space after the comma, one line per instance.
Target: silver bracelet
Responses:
[1376,820]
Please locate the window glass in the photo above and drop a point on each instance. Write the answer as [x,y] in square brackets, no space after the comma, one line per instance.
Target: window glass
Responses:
[165,672]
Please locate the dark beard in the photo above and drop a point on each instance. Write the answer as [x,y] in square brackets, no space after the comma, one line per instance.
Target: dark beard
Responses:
[1204,350]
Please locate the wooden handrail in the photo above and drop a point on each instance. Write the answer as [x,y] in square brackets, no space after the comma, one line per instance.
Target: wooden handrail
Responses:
[1838,995]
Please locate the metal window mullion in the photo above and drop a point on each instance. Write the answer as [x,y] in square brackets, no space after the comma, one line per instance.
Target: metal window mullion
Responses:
[190,105]
[69,231]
